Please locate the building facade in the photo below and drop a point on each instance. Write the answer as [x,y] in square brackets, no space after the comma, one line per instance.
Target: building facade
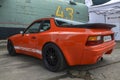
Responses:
[107,13]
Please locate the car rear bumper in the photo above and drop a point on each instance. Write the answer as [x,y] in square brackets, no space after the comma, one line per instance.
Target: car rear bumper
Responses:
[92,54]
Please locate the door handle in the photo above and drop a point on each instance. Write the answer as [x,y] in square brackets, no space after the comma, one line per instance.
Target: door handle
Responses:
[33,37]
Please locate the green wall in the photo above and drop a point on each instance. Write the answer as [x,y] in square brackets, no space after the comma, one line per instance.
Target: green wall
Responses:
[80,1]
[20,13]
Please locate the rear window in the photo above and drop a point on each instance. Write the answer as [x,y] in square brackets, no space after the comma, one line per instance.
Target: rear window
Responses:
[65,22]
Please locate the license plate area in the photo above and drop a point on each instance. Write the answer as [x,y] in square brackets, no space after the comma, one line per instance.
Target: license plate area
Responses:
[107,38]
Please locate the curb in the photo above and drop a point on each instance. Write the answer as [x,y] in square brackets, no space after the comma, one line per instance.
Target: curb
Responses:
[3,43]
[117,45]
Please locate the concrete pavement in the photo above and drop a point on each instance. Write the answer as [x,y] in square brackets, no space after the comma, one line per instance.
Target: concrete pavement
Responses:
[23,67]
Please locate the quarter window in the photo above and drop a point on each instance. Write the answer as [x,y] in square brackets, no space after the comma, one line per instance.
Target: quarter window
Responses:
[45,26]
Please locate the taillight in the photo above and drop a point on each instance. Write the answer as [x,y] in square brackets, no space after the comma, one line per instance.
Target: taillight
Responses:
[94,40]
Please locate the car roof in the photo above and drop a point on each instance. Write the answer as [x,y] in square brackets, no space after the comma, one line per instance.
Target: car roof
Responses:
[68,21]
[61,19]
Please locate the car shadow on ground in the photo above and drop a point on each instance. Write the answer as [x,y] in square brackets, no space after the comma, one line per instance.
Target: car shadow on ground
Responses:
[31,61]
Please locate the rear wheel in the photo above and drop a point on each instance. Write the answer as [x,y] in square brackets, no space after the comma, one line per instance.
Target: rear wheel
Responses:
[10,48]
[53,58]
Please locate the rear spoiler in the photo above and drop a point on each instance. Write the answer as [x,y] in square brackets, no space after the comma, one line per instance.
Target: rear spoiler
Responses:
[94,26]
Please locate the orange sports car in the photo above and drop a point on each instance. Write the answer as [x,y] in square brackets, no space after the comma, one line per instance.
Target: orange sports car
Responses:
[60,42]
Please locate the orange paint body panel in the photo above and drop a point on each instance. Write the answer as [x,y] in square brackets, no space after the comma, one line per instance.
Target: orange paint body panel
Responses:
[73,42]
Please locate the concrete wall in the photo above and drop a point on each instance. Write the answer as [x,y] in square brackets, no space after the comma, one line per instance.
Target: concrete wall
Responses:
[20,13]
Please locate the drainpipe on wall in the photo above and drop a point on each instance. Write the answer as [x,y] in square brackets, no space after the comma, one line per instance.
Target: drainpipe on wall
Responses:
[105,17]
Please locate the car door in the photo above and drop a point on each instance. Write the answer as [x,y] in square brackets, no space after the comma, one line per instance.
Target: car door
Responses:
[30,39]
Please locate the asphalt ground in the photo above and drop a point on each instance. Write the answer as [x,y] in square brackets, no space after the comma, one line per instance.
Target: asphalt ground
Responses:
[22,67]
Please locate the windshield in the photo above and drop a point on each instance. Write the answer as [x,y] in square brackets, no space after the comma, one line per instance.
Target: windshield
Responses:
[65,22]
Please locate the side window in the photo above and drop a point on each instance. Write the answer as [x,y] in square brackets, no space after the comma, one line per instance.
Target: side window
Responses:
[34,28]
[45,26]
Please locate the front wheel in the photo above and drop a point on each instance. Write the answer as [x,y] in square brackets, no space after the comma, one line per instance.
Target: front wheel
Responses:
[53,58]
[10,48]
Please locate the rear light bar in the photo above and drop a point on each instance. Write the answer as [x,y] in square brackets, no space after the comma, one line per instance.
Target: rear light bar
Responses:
[94,40]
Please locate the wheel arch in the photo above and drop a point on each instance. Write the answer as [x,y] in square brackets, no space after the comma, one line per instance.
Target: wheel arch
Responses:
[58,46]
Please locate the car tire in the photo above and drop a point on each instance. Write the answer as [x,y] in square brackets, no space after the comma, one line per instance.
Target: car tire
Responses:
[53,58]
[10,48]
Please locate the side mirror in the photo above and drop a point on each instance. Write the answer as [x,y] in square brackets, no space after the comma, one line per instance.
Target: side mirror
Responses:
[21,32]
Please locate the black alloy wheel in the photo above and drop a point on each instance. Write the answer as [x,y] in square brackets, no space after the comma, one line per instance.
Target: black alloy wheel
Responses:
[53,58]
[10,48]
